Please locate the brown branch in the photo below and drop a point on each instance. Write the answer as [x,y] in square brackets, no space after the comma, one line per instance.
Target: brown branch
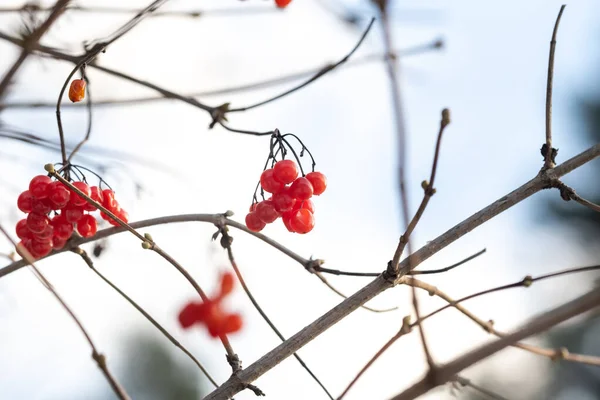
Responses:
[550,153]
[537,325]
[226,241]
[449,268]
[384,282]
[31,42]
[266,83]
[99,358]
[486,392]
[86,258]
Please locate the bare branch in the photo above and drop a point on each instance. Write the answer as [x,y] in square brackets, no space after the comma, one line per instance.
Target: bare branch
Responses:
[451,267]
[486,392]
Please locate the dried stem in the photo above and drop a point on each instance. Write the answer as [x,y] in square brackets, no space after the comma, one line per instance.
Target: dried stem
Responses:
[486,392]
[86,258]
[451,267]
[99,358]
[549,158]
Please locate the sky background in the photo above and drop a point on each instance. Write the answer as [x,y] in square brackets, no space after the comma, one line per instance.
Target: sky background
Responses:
[491,73]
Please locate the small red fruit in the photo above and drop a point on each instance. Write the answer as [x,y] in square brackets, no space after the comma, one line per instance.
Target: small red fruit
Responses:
[302,221]
[24,201]
[287,221]
[40,248]
[282,3]
[58,195]
[37,223]
[230,324]
[72,213]
[266,212]
[188,316]
[285,171]
[269,183]
[41,206]
[254,223]
[87,226]
[96,196]
[63,229]
[283,201]
[307,204]
[58,243]
[39,186]
[108,199]
[75,198]
[77,90]
[227,283]
[46,235]
[301,189]
[22,230]
[318,181]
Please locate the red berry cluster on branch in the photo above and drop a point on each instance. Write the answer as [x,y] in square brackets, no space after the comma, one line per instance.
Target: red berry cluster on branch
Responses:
[211,314]
[40,232]
[290,200]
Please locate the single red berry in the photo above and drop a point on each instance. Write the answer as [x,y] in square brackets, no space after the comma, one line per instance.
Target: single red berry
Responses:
[63,229]
[22,230]
[41,206]
[266,212]
[283,201]
[301,189]
[87,226]
[24,201]
[72,213]
[302,221]
[227,283]
[96,196]
[46,235]
[231,323]
[318,181]
[123,215]
[77,90]
[308,204]
[269,183]
[282,3]
[108,199]
[40,248]
[39,186]
[252,207]
[285,171]
[37,223]
[58,243]
[188,316]
[58,195]
[254,223]
[287,221]
[28,245]
[75,198]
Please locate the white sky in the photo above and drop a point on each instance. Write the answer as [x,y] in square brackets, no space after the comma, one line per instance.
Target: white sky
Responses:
[491,74]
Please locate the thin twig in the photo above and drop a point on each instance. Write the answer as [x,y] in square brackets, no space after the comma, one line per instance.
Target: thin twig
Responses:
[86,258]
[31,42]
[549,157]
[486,392]
[226,243]
[89,107]
[99,358]
[582,304]
[446,269]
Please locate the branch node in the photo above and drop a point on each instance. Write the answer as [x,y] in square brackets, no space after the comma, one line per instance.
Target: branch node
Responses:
[99,358]
[255,389]
[560,354]
[311,264]
[489,326]
[234,361]
[391,274]
[218,115]
[406,326]
[553,153]
[527,281]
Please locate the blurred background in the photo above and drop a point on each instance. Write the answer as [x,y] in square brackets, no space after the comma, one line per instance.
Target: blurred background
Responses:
[162,159]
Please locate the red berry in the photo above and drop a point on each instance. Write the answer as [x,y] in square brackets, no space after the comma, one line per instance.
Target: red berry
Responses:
[77,90]
[46,235]
[189,315]
[282,3]
[266,212]
[308,204]
[283,201]
[76,199]
[301,189]
[252,207]
[318,181]
[43,206]
[39,186]
[285,171]
[108,199]
[63,229]
[227,283]
[269,183]
[40,248]
[230,324]
[287,221]
[302,221]
[123,215]
[58,195]
[58,243]
[37,223]
[24,201]
[96,196]
[22,230]
[72,213]
[254,223]
[87,226]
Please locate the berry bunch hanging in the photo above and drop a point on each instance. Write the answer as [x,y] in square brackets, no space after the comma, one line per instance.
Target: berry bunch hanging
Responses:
[54,213]
[291,191]
[211,314]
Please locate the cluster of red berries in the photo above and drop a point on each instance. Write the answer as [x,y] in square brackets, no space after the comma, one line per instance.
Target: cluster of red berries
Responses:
[210,312]
[282,3]
[39,233]
[290,200]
